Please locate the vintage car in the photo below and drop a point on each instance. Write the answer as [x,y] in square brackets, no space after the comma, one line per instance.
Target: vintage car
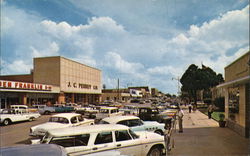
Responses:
[8,116]
[135,123]
[31,150]
[129,110]
[99,138]
[62,120]
[107,112]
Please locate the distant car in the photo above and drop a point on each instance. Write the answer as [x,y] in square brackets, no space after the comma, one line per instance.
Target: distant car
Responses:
[135,123]
[107,112]
[99,138]
[31,150]
[8,116]
[58,121]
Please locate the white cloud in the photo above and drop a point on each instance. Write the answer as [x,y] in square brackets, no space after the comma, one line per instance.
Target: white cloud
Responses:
[17,67]
[115,61]
[51,50]
[144,59]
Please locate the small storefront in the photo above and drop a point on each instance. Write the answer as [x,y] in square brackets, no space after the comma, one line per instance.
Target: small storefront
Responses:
[237,95]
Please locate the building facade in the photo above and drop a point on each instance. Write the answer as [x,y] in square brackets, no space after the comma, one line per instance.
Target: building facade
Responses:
[237,95]
[61,80]
[119,95]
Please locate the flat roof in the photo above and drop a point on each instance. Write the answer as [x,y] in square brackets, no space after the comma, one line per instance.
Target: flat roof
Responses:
[66,59]
[247,53]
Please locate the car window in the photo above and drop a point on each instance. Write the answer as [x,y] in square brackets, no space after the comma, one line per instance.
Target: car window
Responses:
[104,137]
[73,120]
[59,120]
[124,122]
[104,111]
[103,122]
[80,118]
[122,135]
[135,122]
[134,136]
[71,141]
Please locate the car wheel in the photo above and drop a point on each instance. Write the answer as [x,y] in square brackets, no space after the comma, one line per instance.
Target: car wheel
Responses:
[159,132]
[6,122]
[46,112]
[155,151]
[31,119]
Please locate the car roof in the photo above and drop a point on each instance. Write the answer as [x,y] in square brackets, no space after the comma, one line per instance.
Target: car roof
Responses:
[29,150]
[66,115]
[115,119]
[69,131]
[109,107]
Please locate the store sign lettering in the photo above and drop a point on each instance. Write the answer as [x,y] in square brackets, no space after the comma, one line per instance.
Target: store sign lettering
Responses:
[23,85]
[81,86]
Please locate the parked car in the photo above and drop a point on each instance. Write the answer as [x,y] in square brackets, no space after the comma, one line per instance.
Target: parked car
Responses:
[135,123]
[8,116]
[32,110]
[31,150]
[59,121]
[107,112]
[60,108]
[129,110]
[43,109]
[99,138]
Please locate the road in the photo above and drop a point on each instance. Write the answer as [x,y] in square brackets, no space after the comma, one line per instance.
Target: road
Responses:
[18,133]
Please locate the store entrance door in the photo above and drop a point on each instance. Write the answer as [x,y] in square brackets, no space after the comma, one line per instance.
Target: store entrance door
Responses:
[3,103]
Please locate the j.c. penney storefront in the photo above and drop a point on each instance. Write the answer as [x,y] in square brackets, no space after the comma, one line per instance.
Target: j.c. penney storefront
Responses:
[53,80]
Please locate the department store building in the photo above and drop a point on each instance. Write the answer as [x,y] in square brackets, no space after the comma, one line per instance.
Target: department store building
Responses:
[53,80]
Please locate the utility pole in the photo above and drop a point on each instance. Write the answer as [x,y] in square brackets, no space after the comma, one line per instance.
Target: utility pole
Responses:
[118,91]
[178,85]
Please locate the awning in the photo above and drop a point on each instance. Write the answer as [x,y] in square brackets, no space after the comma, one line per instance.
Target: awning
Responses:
[239,81]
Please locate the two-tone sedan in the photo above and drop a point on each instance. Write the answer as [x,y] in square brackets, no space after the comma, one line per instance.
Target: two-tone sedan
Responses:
[135,123]
[58,121]
[100,138]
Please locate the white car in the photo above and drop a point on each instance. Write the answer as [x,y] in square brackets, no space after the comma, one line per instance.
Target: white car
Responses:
[135,123]
[107,112]
[59,121]
[8,116]
[99,138]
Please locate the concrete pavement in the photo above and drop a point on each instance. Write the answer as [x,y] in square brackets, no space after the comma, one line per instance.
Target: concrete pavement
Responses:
[204,137]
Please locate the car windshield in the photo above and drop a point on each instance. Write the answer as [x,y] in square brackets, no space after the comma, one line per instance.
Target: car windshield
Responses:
[104,111]
[59,120]
[7,111]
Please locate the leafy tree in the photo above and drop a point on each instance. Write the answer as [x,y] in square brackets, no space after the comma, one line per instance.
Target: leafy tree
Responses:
[195,79]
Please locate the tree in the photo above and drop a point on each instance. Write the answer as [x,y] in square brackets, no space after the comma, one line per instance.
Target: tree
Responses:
[195,79]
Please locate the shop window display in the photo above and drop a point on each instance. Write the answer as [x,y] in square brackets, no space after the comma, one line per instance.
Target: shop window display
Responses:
[233,102]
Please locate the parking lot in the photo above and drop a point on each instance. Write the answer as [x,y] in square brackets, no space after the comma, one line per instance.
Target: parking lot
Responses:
[18,133]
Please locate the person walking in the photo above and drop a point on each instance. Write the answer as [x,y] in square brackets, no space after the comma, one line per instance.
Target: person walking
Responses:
[180,116]
[210,111]
[190,108]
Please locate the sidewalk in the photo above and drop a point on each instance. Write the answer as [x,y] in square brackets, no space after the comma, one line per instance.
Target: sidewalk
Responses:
[203,137]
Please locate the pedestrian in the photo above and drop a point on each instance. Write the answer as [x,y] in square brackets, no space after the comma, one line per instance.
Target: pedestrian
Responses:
[190,108]
[210,111]
[180,116]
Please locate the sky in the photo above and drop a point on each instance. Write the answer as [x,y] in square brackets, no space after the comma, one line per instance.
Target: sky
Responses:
[140,42]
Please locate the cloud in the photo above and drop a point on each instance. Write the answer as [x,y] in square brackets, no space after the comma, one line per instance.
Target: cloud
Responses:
[111,45]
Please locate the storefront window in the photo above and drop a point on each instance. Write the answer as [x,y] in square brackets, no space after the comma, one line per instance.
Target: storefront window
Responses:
[233,100]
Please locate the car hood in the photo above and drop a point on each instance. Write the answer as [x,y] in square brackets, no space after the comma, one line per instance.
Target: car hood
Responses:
[148,123]
[49,125]
[150,137]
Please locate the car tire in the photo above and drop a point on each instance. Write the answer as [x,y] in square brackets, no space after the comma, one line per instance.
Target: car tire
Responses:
[31,119]
[6,122]
[155,151]
[46,112]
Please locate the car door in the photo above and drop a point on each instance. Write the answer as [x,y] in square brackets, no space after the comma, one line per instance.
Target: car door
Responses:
[126,144]
[103,141]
